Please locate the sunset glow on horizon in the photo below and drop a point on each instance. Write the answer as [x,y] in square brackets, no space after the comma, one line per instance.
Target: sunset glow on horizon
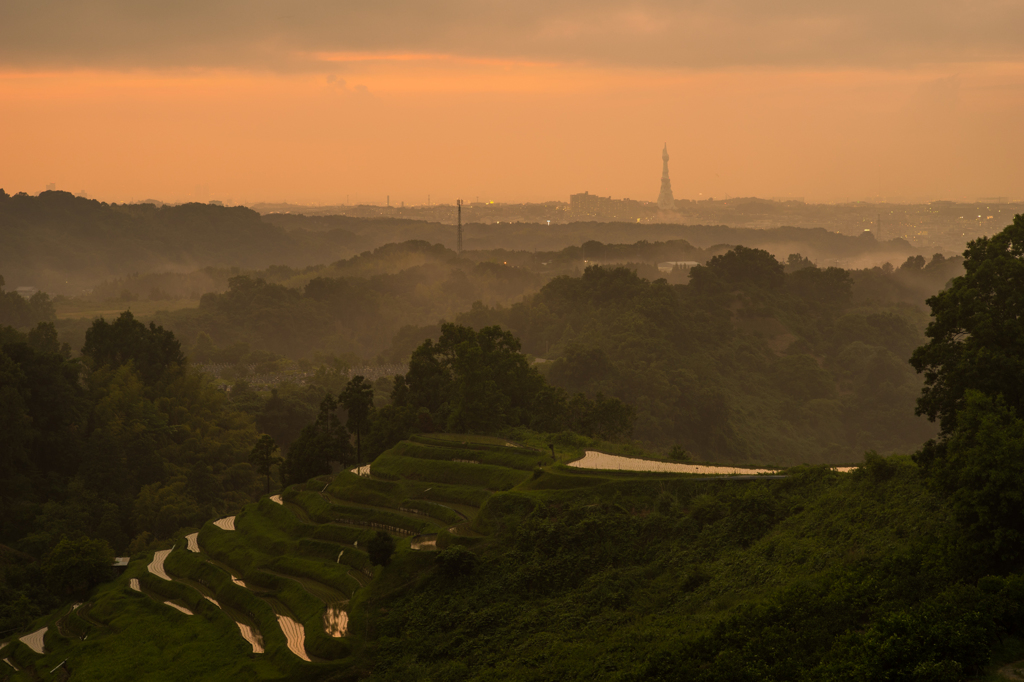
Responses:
[336,120]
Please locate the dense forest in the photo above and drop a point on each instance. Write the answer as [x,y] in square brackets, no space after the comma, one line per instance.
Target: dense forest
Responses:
[119,440]
[125,445]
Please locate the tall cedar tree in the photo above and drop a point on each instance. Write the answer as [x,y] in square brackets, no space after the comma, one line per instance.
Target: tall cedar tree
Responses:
[357,398]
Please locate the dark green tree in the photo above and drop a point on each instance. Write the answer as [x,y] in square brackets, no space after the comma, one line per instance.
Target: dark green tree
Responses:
[974,386]
[380,548]
[357,398]
[982,472]
[976,339]
[264,457]
[75,566]
[473,381]
[153,350]
[456,561]
[319,444]
[284,415]
[738,267]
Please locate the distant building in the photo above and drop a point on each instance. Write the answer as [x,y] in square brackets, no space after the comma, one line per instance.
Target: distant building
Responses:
[666,201]
[587,204]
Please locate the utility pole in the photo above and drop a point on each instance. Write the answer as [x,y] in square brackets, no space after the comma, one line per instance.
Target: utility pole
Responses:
[458,203]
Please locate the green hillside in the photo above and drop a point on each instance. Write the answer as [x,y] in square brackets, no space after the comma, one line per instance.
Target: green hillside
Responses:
[509,565]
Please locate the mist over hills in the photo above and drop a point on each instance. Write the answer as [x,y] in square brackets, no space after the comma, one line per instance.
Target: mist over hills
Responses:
[473,545]
[64,244]
[60,243]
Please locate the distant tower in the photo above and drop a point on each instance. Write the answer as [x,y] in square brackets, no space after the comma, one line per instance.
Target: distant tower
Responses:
[665,200]
[459,204]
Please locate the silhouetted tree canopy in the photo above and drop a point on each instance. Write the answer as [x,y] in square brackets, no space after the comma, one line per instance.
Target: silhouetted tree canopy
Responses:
[153,350]
[976,339]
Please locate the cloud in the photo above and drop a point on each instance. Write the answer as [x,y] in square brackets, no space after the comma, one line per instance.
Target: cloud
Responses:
[279,36]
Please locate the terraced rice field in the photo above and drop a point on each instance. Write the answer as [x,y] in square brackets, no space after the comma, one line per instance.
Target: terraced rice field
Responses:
[293,631]
[600,461]
[252,636]
[227,523]
[336,620]
[156,567]
[288,571]
[34,641]
[424,542]
[179,607]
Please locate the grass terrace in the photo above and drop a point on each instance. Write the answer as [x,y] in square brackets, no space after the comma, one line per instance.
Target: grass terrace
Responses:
[291,591]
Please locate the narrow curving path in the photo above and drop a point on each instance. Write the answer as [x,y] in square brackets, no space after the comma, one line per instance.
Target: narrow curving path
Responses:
[227,523]
[34,641]
[156,566]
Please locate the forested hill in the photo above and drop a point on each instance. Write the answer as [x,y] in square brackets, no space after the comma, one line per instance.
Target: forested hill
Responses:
[63,244]
[60,243]
[748,363]
[818,244]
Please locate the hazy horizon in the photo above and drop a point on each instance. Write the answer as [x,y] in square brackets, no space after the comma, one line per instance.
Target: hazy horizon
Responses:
[331,103]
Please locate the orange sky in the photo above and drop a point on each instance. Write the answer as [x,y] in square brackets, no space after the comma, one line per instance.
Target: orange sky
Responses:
[306,116]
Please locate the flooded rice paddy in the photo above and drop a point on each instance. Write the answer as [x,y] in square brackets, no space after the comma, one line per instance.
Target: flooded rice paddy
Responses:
[252,636]
[179,607]
[336,620]
[599,460]
[34,641]
[156,567]
[424,542]
[227,523]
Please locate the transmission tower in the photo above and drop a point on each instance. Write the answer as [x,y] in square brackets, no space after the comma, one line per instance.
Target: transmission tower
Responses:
[459,204]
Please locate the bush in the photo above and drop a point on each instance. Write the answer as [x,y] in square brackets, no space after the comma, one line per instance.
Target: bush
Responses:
[74,567]
[456,561]
[380,548]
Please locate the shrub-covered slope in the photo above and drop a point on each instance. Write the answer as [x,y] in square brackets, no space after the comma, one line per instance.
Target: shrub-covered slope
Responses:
[509,565]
